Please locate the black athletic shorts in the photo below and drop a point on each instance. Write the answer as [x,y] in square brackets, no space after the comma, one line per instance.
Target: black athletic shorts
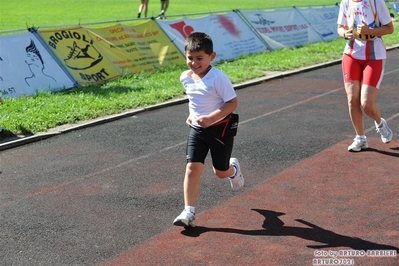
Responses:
[199,142]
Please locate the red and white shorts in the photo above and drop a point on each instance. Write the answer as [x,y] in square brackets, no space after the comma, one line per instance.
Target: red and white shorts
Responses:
[369,72]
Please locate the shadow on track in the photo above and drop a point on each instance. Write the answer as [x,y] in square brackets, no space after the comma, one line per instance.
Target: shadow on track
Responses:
[273,226]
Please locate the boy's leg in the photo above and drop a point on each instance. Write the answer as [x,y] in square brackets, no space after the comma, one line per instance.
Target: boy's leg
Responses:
[234,174]
[196,151]
[192,183]
[221,150]
[225,166]
[191,190]
[224,174]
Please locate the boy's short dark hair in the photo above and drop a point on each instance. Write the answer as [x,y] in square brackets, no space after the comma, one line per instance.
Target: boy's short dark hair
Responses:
[199,41]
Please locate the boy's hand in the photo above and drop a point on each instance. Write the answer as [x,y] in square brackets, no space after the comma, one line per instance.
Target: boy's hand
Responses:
[204,121]
[189,122]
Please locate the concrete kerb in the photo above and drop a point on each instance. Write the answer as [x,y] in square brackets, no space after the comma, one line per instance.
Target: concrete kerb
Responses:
[105,119]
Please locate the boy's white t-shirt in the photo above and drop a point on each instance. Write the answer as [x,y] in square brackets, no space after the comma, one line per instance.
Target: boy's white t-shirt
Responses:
[207,94]
[363,11]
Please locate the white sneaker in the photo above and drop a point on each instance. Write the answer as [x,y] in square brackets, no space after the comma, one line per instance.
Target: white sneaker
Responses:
[237,182]
[384,130]
[358,144]
[186,219]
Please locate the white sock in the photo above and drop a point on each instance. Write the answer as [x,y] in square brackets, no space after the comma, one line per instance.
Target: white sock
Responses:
[235,172]
[361,137]
[189,209]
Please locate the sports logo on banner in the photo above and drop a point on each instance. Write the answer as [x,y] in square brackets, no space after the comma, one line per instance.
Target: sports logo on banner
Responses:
[76,51]
[26,67]
[231,36]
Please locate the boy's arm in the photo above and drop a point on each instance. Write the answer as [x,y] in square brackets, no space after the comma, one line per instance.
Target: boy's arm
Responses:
[227,108]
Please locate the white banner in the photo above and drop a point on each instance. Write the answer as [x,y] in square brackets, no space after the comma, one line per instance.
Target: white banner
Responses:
[26,67]
[231,36]
[282,28]
[323,20]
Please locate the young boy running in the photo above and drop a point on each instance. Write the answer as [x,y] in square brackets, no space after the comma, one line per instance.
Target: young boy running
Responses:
[211,98]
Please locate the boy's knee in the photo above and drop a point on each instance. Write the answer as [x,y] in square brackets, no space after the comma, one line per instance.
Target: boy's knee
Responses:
[221,174]
[194,168]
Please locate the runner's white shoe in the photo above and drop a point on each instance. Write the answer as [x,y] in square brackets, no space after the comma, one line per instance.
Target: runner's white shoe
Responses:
[237,183]
[384,130]
[186,219]
[358,144]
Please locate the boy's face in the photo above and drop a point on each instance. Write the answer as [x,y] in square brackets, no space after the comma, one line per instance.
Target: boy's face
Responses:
[199,61]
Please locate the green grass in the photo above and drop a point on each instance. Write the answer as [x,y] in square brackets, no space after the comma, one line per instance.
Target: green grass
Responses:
[19,14]
[41,112]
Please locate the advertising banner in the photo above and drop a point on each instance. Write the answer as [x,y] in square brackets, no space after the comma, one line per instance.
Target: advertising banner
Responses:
[323,20]
[26,67]
[132,49]
[282,28]
[76,51]
[112,44]
[395,7]
[231,36]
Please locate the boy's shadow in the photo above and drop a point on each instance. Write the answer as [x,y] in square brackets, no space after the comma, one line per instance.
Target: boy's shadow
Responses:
[393,154]
[273,226]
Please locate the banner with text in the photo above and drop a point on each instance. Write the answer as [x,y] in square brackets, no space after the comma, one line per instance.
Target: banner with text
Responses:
[132,49]
[282,28]
[27,67]
[75,49]
[87,55]
[231,36]
[323,20]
